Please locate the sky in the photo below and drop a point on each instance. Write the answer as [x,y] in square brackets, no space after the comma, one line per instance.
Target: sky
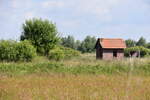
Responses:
[100,18]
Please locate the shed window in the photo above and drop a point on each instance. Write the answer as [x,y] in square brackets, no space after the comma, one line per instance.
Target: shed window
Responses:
[114,53]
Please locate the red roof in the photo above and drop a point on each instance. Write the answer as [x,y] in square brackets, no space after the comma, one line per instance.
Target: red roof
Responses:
[112,43]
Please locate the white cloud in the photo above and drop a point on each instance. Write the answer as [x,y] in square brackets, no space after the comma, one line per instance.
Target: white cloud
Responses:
[16,4]
[100,8]
[53,4]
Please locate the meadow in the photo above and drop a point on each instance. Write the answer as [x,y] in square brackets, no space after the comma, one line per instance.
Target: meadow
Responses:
[79,78]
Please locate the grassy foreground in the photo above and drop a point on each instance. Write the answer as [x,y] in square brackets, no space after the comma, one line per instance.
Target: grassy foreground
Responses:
[82,78]
[72,87]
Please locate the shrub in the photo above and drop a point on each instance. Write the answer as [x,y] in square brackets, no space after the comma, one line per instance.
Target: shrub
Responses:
[25,51]
[61,52]
[69,53]
[16,51]
[56,54]
[7,50]
[143,51]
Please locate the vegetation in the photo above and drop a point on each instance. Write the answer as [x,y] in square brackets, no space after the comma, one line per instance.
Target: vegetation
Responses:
[16,51]
[130,43]
[74,87]
[63,73]
[86,64]
[142,50]
[85,46]
[60,53]
[141,42]
[42,34]
[82,78]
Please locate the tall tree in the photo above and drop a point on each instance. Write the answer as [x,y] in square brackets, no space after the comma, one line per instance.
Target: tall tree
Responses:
[42,34]
[148,45]
[141,42]
[130,43]
[68,41]
[88,44]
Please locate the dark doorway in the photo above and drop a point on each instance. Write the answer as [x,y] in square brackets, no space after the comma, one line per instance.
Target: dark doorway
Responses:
[115,54]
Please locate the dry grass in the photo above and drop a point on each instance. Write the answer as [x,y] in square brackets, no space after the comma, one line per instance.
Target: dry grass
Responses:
[71,87]
[65,86]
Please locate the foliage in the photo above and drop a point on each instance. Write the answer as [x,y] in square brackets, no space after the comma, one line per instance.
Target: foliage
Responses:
[68,42]
[42,34]
[88,44]
[25,51]
[56,54]
[60,53]
[130,43]
[7,50]
[141,42]
[148,45]
[79,66]
[69,53]
[13,51]
[143,51]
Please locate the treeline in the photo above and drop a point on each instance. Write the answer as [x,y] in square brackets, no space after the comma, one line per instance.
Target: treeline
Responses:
[141,42]
[88,44]
[85,46]
[141,47]
[41,37]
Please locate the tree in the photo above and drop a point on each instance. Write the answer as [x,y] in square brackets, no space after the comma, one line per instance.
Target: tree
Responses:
[141,42]
[68,42]
[148,45]
[77,44]
[42,34]
[130,43]
[88,44]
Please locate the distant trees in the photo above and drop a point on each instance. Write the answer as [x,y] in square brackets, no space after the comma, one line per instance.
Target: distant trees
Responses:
[130,43]
[87,45]
[141,42]
[148,45]
[68,41]
[42,34]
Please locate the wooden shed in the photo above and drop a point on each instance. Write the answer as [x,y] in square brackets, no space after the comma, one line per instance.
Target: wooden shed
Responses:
[108,49]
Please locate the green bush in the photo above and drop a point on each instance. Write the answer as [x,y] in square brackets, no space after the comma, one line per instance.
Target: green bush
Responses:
[16,51]
[56,54]
[69,53]
[25,51]
[60,53]
[7,50]
[143,51]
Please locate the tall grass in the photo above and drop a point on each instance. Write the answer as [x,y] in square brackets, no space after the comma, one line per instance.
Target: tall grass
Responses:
[79,65]
[80,78]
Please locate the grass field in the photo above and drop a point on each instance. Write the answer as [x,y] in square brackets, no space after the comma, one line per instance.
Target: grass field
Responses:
[81,78]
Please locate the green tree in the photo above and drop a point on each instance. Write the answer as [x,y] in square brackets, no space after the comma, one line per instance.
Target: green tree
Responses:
[68,41]
[148,45]
[88,44]
[42,34]
[77,44]
[130,43]
[141,42]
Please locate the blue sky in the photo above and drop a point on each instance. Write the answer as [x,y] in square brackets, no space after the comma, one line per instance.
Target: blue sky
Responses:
[100,18]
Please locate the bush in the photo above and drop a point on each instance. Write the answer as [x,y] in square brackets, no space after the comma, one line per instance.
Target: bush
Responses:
[60,53]
[7,50]
[56,54]
[143,51]
[25,51]
[69,53]
[16,51]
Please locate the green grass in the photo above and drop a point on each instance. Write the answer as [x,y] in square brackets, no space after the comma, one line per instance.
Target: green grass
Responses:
[80,78]
[86,64]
